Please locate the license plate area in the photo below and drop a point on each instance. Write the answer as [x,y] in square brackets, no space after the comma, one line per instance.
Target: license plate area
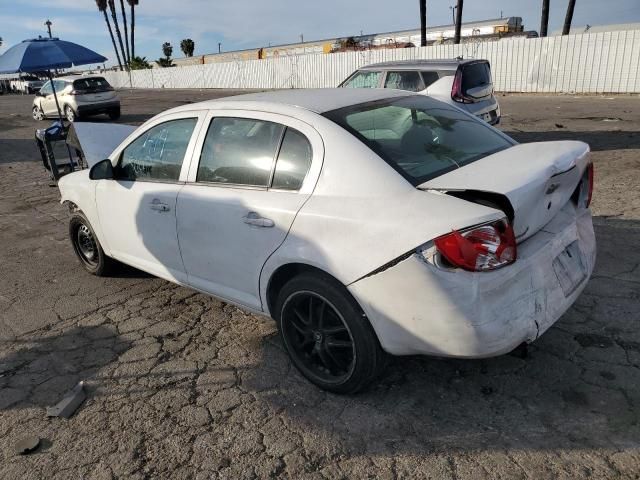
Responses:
[569,268]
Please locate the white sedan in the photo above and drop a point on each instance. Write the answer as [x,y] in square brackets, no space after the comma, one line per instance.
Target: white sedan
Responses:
[362,221]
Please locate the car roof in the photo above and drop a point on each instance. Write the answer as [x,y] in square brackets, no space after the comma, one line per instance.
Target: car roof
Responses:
[72,78]
[439,64]
[318,100]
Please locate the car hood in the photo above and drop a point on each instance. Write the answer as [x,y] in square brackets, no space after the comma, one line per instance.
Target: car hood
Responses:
[97,141]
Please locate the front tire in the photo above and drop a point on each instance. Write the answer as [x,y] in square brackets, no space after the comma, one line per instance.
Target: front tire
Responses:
[87,247]
[37,113]
[326,334]
[114,114]
[70,114]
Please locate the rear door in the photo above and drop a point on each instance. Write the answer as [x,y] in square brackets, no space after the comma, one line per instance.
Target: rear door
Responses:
[251,174]
[93,90]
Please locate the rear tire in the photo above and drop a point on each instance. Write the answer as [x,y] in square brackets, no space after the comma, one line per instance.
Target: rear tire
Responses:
[326,334]
[88,248]
[69,114]
[114,114]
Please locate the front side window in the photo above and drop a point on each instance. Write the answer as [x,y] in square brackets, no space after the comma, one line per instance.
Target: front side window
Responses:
[294,161]
[419,137]
[363,79]
[46,89]
[404,80]
[59,85]
[157,155]
[239,151]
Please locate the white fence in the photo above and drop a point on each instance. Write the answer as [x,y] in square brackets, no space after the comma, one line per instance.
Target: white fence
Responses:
[606,62]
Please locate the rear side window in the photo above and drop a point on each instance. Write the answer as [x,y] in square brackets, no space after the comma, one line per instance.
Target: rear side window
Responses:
[475,75]
[419,137]
[158,153]
[429,78]
[293,162]
[363,79]
[239,151]
[404,80]
[92,84]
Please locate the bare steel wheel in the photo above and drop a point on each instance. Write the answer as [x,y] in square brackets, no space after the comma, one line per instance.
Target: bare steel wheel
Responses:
[326,334]
[87,247]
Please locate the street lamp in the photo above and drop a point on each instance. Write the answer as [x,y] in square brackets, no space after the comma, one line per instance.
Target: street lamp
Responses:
[48,24]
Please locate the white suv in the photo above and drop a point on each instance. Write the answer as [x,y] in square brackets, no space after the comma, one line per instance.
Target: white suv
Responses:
[78,96]
[466,84]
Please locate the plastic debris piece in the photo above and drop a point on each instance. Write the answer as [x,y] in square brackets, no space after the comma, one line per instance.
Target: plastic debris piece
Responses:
[27,445]
[69,403]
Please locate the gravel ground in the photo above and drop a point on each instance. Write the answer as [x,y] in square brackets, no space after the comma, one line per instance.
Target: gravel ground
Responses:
[183,386]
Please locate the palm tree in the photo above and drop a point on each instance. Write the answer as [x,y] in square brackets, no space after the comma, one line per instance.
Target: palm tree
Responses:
[458,21]
[102,7]
[569,17]
[133,4]
[544,20]
[423,23]
[112,7]
[126,34]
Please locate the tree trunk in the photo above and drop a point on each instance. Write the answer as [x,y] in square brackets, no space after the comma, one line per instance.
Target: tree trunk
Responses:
[569,17]
[133,27]
[113,40]
[458,21]
[544,20]
[112,7]
[126,33]
[423,23]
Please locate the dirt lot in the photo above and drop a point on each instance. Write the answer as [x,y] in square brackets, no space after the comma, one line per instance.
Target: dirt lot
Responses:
[183,386]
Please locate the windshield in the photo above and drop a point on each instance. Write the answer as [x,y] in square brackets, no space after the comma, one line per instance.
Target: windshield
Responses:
[418,136]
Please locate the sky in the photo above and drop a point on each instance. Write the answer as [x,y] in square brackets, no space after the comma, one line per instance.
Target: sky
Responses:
[252,23]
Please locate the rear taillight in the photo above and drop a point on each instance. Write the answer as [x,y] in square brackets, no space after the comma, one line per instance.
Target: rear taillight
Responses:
[590,173]
[456,89]
[481,248]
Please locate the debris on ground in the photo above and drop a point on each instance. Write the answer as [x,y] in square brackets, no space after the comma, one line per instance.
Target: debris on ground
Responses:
[27,445]
[559,125]
[70,402]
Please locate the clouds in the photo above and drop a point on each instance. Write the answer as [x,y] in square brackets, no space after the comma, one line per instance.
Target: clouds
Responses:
[253,23]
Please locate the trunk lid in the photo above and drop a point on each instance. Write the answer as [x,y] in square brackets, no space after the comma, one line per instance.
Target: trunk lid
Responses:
[538,179]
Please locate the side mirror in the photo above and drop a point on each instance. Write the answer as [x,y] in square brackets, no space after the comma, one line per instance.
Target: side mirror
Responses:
[39,94]
[103,170]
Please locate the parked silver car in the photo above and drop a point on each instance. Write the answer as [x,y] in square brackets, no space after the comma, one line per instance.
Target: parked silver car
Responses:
[466,84]
[78,96]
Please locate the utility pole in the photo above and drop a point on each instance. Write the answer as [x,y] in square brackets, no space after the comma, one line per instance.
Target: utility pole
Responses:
[219,47]
[544,20]
[301,38]
[569,17]
[458,21]
[48,24]
[423,23]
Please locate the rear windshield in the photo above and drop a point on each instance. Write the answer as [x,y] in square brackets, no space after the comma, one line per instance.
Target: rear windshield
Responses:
[418,136]
[475,75]
[93,84]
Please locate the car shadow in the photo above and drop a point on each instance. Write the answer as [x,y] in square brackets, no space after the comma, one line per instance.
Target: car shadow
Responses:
[599,140]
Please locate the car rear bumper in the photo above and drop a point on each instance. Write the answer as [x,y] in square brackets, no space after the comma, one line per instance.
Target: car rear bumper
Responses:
[97,108]
[416,307]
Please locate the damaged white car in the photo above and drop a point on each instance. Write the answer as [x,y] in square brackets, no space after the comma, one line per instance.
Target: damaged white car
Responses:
[362,221]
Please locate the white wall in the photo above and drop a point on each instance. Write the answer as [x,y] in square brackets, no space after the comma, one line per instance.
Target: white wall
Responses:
[604,62]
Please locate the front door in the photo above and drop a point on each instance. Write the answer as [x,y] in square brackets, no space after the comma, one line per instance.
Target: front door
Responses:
[242,197]
[137,209]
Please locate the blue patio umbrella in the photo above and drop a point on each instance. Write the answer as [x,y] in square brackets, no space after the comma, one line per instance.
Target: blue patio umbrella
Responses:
[45,54]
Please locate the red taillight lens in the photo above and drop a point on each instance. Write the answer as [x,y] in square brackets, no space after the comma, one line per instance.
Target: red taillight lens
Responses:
[482,248]
[456,89]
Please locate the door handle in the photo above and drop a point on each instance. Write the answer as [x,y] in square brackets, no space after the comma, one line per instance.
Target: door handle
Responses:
[255,219]
[158,206]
